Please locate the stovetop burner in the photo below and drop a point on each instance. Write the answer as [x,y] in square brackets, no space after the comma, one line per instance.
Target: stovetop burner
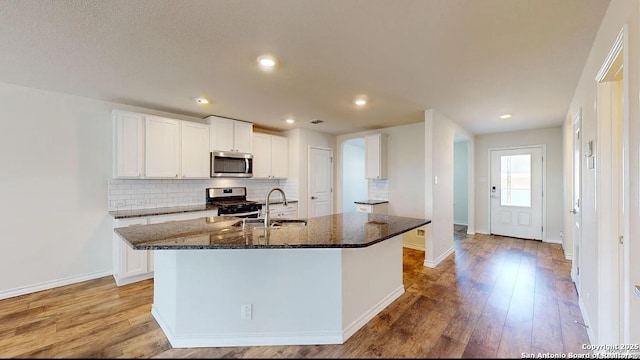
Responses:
[231,200]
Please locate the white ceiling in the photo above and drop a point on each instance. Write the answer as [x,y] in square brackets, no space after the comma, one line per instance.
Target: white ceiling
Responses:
[472,60]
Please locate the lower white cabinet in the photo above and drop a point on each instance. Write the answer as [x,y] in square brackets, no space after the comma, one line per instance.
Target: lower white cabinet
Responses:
[131,265]
[290,211]
[372,208]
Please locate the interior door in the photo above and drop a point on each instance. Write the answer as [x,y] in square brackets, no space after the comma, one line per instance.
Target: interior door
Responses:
[516,192]
[320,184]
[576,211]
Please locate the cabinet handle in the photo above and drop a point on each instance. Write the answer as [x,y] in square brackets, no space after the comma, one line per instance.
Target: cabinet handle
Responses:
[313,197]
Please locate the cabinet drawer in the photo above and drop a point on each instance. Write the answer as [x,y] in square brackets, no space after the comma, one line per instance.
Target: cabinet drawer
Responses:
[363,208]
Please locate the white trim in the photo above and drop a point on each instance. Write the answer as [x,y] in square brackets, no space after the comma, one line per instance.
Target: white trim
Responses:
[569,256]
[363,319]
[543,147]
[52,284]
[553,241]
[131,279]
[434,263]
[585,317]
[611,57]
[471,232]
[460,223]
[413,246]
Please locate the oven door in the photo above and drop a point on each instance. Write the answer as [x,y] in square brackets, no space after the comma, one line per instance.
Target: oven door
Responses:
[249,214]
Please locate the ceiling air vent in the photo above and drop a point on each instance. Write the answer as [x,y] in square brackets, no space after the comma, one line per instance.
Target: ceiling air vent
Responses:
[317,121]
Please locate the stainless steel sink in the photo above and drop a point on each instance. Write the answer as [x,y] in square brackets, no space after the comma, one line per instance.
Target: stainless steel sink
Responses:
[273,223]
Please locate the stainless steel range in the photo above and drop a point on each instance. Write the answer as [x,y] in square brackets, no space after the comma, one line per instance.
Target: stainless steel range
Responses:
[232,201]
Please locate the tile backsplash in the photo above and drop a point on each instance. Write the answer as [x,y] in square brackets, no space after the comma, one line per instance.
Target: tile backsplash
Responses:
[153,193]
[379,189]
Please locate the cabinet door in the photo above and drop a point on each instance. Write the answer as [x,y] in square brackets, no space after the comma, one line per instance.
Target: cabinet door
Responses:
[242,135]
[279,157]
[195,150]
[376,156]
[129,265]
[162,147]
[128,146]
[261,155]
[221,134]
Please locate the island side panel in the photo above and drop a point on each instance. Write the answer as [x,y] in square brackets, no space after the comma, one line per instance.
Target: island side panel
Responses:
[164,290]
[295,297]
[371,280]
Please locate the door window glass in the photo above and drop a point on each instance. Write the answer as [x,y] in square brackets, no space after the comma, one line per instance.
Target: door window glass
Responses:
[515,180]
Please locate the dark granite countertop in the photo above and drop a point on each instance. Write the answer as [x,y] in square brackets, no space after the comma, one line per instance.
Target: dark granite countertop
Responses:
[371,202]
[131,213]
[346,230]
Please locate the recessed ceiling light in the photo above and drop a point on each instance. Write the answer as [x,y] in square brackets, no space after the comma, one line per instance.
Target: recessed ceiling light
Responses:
[290,121]
[360,102]
[266,61]
[505,116]
[202,101]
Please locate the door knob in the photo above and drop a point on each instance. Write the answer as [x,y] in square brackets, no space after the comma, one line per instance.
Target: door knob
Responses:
[573,211]
[313,198]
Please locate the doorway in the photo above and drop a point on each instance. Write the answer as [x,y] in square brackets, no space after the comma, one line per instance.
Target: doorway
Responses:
[611,187]
[516,192]
[354,184]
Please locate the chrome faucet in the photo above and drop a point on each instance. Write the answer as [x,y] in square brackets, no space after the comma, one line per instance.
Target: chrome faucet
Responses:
[266,201]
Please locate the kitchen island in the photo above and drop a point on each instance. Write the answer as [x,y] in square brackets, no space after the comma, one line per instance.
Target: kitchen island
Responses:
[218,283]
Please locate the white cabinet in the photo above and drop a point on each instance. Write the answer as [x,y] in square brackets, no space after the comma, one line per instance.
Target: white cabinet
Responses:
[230,135]
[162,147]
[270,156]
[279,210]
[131,265]
[147,146]
[195,156]
[376,156]
[378,208]
[128,144]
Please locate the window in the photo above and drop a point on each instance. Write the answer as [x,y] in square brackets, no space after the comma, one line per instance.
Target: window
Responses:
[515,180]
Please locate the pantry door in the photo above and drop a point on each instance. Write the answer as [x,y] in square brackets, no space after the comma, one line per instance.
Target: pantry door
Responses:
[516,192]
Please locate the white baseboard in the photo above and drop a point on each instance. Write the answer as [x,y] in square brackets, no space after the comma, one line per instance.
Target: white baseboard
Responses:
[585,317]
[471,231]
[460,223]
[132,279]
[52,284]
[568,256]
[553,241]
[276,338]
[433,264]
[413,246]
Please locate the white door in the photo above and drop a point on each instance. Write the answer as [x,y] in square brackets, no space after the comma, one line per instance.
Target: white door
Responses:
[320,184]
[516,192]
[576,211]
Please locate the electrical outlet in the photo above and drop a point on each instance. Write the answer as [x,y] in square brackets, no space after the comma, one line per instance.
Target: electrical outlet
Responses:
[140,202]
[120,203]
[245,312]
[420,232]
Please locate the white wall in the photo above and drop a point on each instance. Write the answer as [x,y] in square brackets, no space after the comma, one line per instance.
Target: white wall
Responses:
[353,182]
[55,156]
[552,138]
[405,161]
[299,142]
[460,183]
[619,13]
[440,133]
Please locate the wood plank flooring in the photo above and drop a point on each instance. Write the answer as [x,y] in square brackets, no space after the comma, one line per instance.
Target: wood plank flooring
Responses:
[496,297]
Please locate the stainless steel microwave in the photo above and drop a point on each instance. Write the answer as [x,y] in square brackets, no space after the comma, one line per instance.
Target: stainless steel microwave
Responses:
[230,164]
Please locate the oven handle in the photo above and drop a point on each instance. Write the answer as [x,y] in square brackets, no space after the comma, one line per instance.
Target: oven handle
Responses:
[247,214]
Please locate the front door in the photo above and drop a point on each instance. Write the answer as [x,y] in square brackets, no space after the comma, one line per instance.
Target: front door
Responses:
[320,184]
[516,192]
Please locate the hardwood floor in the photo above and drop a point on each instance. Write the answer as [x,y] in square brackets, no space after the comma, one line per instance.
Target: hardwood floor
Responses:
[496,297]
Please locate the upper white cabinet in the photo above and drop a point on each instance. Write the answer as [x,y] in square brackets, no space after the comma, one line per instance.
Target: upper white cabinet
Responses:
[270,156]
[195,150]
[128,135]
[147,146]
[230,135]
[162,147]
[376,156]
